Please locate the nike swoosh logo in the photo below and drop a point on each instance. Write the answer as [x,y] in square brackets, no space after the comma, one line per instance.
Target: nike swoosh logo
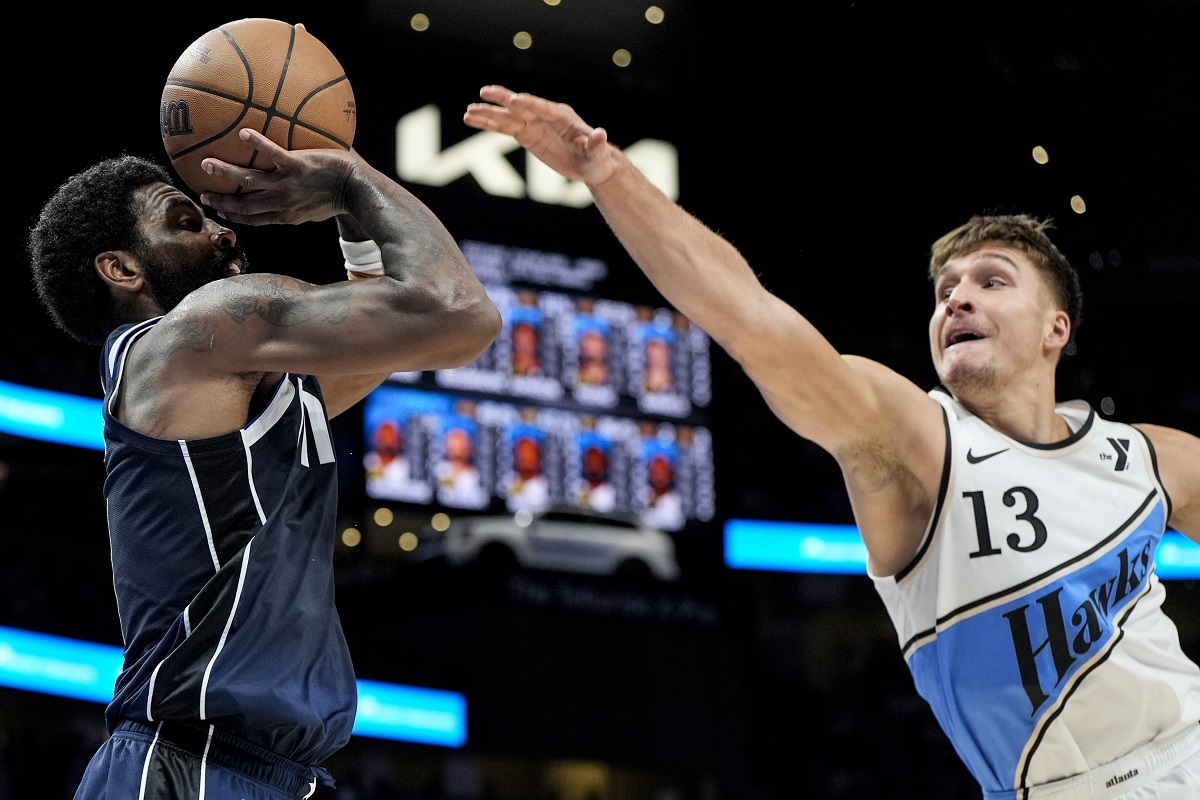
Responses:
[974,459]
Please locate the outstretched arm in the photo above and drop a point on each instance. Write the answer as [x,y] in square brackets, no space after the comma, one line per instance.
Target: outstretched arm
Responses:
[817,392]
[885,432]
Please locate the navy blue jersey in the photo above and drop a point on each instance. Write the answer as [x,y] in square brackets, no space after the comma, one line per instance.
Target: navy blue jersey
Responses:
[222,554]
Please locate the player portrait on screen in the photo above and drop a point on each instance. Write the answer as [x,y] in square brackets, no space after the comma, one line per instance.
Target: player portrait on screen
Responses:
[663,504]
[592,340]
[388,468]
[459,483]
[656,342]
[593,487]
[593,378]
[656,371]
[525,336]
[594,368]
[659,390]
[526,486]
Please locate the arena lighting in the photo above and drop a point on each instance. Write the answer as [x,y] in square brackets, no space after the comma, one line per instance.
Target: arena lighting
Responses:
[838,549]
[39,662]
[794,547]
[50,416]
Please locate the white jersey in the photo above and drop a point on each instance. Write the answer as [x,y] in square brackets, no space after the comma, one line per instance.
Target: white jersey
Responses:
[1031,615]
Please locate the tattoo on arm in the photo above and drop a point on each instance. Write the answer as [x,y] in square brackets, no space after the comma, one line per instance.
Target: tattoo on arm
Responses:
[282,301]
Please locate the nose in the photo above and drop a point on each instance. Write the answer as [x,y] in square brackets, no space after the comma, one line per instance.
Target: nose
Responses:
[959,301]
[223,238]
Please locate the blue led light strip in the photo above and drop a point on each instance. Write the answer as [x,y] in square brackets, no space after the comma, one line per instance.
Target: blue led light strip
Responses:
[749,544]
[51,416]
[38,662]
[805,547]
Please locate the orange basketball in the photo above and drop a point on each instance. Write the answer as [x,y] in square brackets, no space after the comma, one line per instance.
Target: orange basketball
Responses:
[253,73]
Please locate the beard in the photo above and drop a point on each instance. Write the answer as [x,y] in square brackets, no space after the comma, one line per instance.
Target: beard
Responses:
[173,279]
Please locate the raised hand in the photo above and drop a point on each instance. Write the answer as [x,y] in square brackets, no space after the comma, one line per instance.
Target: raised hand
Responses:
[304,186]
[551,131]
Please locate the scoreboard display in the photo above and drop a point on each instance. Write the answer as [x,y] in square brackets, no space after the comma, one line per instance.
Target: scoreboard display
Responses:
[582,400]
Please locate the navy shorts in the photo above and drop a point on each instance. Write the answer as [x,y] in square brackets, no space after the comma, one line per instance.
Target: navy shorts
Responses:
[179,761]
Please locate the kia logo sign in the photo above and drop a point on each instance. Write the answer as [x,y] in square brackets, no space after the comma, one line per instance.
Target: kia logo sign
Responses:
[483,156]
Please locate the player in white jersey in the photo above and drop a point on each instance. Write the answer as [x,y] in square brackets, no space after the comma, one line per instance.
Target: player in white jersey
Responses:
[1011,537]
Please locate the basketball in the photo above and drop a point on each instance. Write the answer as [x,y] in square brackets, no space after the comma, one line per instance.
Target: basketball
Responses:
[252,73]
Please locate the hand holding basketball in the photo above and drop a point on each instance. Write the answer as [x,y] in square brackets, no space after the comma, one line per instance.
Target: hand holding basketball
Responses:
[302,185]
[252,73]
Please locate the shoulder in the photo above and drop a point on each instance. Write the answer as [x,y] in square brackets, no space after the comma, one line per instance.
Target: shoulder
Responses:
[116,345]
[1176,457]
[222,318]
[238,296]
[1171,443]
[896,400]
[274,298]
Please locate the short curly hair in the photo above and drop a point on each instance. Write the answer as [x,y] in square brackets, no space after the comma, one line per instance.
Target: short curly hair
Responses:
[92,211]
[1022,232]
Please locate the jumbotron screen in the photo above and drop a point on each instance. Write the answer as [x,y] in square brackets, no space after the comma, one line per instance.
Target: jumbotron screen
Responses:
[583,400]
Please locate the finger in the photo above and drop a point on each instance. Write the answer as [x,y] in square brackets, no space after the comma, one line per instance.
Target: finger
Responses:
[243,209]
[245,178]
[241,177]
[238,218]
[475,119]
[492,118]
[496,93]
[526,106]
[258,141]
[533,106]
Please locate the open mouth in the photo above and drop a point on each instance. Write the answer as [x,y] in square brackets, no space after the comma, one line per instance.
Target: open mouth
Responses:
[958,337]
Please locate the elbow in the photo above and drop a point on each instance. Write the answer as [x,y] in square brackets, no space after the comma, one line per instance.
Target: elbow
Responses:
[493,321]
[478,323]
[467,327]
[436,326]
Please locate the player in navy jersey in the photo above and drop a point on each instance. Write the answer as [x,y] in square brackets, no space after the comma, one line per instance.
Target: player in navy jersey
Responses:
[1010,536]
[221,486]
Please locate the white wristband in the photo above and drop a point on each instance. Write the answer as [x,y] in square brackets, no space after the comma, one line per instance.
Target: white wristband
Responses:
[365,258]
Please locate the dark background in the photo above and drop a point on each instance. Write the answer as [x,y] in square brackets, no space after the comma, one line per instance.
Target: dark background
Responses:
[831,143]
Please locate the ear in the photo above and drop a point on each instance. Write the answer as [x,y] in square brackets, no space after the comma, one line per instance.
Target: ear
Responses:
[1059,333]
[120,270]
